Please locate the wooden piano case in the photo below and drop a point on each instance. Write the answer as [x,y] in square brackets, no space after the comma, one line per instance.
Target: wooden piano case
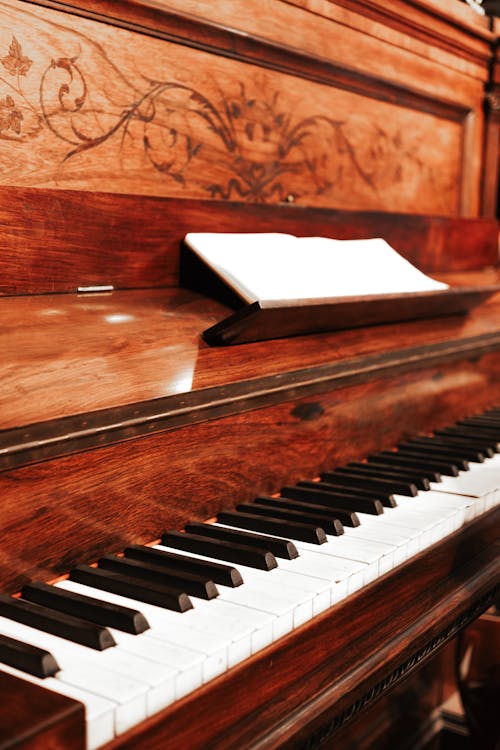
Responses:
[133,123]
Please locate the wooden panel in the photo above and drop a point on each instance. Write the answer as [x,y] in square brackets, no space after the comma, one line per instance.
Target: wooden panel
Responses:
[97,108]
[58,240]
[101,500]
[32,718]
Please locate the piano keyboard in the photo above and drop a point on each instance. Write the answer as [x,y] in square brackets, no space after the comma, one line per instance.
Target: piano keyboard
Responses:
[140,631]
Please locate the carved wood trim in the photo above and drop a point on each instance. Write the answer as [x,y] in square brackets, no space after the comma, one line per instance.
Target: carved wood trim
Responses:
[406,668]
[388,13]
[221,40]
[58,437]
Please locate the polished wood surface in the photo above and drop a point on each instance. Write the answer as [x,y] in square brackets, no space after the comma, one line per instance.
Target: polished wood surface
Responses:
[405,134]
[69,355]
[58,240]
[33,718]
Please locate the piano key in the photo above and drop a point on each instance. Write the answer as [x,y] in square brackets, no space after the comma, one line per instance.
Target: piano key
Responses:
[186,582]
[346,517]
[151,593]
[295,580]
[30,659]
[325,494]
[50,621]
[489,448]
[405,458]
[454,443]
[355,479]
[219,573]
[128,693]
[220,550]
[478,430]
[469,454]
[213,638]
[343,577]
[278,547]
[386,499]
[245,632]
[421,483]
[99,712]
[392,461]
[289,529]
[94,610]
[473,433]
[481,424]
[425,451]
[329,524]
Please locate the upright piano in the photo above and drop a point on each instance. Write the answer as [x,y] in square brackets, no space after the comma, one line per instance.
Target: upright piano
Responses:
[120,424]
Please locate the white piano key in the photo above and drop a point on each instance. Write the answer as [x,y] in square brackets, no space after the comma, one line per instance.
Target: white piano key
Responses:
[244,634]
[130,694]
[99,712]
[356,573]
[185,665]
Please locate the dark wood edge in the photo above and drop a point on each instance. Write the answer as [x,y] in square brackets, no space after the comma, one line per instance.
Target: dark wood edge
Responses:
[414,662]
[46,440]
[318,315]
[201,34]
[458,595]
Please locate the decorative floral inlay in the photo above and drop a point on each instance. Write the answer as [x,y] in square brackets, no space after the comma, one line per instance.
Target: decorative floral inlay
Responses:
[240,142]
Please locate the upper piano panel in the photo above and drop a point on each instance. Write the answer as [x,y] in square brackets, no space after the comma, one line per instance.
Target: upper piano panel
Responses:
[345,105]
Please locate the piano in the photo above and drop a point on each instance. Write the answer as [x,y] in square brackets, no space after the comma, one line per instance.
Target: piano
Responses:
[119,424]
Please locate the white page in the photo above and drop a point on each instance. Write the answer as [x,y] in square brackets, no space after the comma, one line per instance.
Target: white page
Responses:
[275,267]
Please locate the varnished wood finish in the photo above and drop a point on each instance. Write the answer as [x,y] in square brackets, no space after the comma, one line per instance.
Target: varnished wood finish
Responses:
[106,498]
[406,132]
[57,240]
[172,377]
[32,718]
[321,670]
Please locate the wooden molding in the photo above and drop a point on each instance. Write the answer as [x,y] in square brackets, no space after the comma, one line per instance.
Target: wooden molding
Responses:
[59,240]
[59,437]
[148,18]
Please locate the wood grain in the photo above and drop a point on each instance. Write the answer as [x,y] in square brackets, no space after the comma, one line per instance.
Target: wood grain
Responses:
[32,718]
[58,240]
[182,121]
[100,500]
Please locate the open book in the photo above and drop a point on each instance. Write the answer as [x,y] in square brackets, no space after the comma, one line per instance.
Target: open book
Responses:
[275,267]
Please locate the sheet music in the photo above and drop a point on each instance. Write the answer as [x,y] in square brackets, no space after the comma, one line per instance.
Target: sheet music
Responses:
[271,267]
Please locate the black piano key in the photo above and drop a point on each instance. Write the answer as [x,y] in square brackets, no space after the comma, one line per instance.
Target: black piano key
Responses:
[489,448]
[132,588]
[217,572]
[189,583]
[483,423]
[346,517]
[57,623]
[327,522]
[472,434]
[385,497]
[417,460]
[252,557]
[301,531]
[420,469]
[330,496]
[481,428]
[460,444]
[353,479]
[424,451]
[279,547]
[27,658]
[421,483]
[469,454]
[86,607]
